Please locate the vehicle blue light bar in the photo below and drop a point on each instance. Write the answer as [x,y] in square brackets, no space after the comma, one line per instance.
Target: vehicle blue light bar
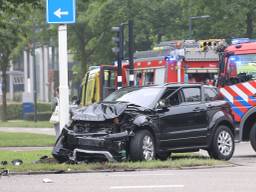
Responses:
[242,40]
[170,58]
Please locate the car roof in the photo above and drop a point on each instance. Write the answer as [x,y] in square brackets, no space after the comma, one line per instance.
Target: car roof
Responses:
[170,85]
[178,85]
[182,84]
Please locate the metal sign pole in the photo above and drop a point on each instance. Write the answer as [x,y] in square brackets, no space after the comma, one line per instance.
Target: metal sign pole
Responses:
[63,77]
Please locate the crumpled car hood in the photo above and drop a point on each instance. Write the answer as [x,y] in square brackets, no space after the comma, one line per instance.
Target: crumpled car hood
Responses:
[99,111]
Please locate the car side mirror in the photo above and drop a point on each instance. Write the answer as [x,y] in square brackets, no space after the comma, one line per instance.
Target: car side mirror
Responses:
[162,105]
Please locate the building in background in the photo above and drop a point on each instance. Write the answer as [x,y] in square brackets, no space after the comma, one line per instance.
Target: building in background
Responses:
[21,75]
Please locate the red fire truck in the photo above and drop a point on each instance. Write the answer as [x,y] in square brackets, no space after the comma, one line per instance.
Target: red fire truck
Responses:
[177,61]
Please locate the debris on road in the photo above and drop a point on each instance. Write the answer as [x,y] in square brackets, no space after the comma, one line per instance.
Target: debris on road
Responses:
[46,159]
[4,172]
[3,163]
[47,180]
[17,162]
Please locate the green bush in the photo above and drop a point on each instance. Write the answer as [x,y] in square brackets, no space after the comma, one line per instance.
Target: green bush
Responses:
[15,111]
[43,107]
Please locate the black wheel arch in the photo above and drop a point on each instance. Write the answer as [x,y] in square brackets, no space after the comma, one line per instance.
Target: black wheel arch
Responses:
[219,122]
[151,128]
[220,117]
[145,122]
[246,124]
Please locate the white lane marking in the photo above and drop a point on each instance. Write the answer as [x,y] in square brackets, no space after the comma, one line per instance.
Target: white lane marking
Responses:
[137,175]
[147,187]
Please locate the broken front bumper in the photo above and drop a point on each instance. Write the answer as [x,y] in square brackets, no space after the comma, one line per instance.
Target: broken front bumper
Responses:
[91,147]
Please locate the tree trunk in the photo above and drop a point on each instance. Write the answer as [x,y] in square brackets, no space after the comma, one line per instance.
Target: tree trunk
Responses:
[249,23]
[4,91]
[159,36]
[84,58]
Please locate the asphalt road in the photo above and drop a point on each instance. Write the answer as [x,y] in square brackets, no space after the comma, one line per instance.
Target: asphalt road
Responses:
[237,178]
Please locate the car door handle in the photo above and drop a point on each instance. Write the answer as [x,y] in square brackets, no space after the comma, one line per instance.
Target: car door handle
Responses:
[198,109]
[210,106]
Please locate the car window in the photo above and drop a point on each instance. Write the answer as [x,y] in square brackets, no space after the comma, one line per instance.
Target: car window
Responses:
[192,94]
[172,97]
[210,94]
[145,97]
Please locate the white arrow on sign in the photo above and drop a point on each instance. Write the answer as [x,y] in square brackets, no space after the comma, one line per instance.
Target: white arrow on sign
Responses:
[60,13]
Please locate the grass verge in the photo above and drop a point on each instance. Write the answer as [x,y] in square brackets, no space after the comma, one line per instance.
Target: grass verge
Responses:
[26,124]
[25,140]
[176,162]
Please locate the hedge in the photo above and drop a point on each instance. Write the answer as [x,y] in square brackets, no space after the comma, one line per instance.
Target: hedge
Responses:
[15,110]
[41,116]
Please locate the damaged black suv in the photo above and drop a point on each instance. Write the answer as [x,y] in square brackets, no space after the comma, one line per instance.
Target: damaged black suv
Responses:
[149,123]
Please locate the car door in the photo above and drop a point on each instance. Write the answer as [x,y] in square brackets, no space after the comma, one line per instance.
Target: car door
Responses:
[184,125]
[213,102]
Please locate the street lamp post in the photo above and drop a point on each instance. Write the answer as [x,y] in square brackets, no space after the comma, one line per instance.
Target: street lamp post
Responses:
[190,22]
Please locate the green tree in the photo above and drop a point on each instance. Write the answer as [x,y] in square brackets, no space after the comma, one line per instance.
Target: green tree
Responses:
[91,36]
[11,19]
[228,19]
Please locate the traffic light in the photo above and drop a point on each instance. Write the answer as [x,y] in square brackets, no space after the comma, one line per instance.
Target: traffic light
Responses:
[118,40]
[118,50]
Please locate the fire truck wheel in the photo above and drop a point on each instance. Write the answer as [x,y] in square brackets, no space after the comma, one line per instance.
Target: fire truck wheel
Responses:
[223,145]
[142,146]
[253,137]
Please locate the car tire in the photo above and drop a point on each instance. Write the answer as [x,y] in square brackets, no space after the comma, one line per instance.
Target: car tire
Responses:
[253,137]
[210,153]
[142,146]
[163,156]
[223,145]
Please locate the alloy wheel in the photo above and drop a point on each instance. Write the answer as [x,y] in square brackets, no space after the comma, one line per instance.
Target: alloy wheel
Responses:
[148,148]
[225,144]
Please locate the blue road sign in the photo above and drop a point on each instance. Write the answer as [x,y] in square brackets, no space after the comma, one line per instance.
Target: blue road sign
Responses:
[61,11]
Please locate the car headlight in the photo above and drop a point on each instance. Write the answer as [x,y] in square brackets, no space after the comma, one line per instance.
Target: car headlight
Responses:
[116,121]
